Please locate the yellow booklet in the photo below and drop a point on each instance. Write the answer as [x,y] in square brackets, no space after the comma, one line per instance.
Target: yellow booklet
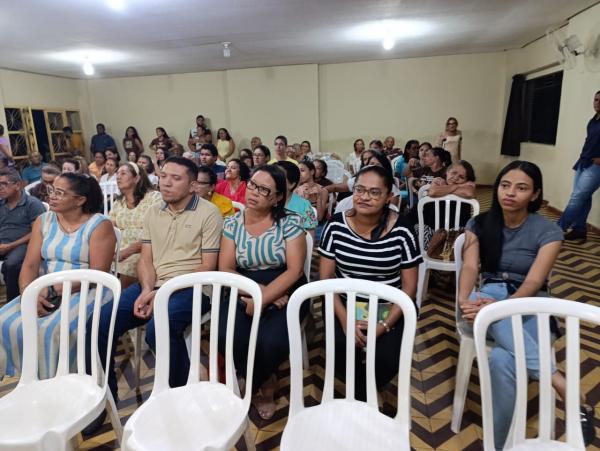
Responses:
[362,311]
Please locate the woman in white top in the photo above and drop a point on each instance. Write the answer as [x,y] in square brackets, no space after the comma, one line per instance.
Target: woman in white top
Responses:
[451,139]
[109,171]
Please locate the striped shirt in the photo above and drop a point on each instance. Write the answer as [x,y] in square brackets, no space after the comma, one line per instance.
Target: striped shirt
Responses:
[266,251]
[379,260]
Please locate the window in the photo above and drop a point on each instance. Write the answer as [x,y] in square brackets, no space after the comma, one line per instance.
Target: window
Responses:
[541,108]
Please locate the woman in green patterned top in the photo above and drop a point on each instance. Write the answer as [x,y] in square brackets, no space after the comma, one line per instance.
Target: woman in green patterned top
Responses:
[268,246]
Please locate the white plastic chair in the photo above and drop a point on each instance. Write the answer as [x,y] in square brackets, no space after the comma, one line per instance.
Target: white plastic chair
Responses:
[411,191]
[201,415]
[543,309]
[46,206]
[46,414]
[432,263]
[31,185]
[238,206]
[348,424]
[423,192]
[115,266]
[335,170]
[307,265]
[109,191]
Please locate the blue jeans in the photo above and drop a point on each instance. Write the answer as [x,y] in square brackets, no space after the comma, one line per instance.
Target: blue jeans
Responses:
[180,317]
[587,181]
[502,362]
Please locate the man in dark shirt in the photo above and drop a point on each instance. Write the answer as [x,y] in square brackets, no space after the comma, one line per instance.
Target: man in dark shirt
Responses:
[18,210]
[587,181]
[102,141]
[209,157]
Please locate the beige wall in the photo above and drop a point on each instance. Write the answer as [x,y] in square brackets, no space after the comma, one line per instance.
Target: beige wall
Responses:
[578,90]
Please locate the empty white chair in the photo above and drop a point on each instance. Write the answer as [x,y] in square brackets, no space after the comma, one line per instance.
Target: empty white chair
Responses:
[348,424]
[46,414]
[238,205]
[201,415]
[440,222]
[543,308]
[109,191]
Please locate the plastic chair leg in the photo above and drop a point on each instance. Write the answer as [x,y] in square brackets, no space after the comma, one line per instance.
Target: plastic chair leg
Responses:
[137,354]
[113,415]
[422,283]
[248,439]
[466,355]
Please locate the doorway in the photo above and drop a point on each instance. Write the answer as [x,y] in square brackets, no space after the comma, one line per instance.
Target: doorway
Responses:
[41,134]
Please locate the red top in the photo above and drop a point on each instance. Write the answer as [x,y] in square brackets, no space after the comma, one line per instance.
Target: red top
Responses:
[239,195]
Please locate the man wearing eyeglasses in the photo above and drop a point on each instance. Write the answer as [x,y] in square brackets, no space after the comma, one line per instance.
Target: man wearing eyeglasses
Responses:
[18,210]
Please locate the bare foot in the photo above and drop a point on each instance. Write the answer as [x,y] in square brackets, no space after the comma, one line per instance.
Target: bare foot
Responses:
[264,400]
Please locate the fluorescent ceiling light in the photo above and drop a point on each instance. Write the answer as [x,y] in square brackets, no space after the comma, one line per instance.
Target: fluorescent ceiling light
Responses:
[389,31]
[96,56]
[117,5]
[88,69]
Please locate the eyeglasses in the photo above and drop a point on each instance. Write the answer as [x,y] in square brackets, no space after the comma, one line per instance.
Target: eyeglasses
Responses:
[58,193]
[374,193]
[5,185]
[262,190]
[204,183]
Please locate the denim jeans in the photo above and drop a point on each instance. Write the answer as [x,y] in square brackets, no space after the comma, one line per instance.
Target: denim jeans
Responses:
[502,362]
[587,181]
[180,317]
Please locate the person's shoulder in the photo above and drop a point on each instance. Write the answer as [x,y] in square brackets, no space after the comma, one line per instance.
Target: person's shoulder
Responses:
[231,221]
[540,224]
[204,206]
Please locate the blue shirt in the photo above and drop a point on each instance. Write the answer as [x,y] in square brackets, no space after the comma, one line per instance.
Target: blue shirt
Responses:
[32,173]
[16,223]
[591,147]
[102,142]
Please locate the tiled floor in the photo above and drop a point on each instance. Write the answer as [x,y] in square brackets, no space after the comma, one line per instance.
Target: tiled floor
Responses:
[576,276]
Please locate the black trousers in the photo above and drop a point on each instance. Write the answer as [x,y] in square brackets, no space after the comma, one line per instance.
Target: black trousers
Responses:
[11,268]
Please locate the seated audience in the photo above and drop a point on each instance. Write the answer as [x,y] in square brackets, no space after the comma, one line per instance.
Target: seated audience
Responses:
[18,210]
[205,188]
[180,235]
[70,142]
[516,249]
[40,191]
[261,155]
[451,139]
[389,148]
[371,242]
[112,152]
[83,165]
[127,214]
[248,161]
[267,245]
[71,165]
[436,161]
[132,156]
[321,173]
[409,156]
[33,171]
[132,143]
[102,141]
[280,148]
[109,173]
[311,190]
[234,185]
[304,152]
[245,153]
[376,144]
[161,156]
[294,203]
[353,161]
[145,162]
[208,157]
[97,166]
[72,235]
[225,144]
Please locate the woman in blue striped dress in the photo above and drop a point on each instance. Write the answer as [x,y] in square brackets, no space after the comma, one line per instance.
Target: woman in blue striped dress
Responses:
[72,235]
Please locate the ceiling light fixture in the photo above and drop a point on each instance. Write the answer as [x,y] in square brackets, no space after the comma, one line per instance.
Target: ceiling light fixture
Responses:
[388,42]
[390,31]
[117,5]
[88,69]
[226,49]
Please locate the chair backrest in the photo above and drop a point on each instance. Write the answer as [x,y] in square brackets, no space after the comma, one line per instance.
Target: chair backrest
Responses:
[330,203]
[115,268]
[543,308]
[374,291]
[423,191]
[410,187]
[109,191]
[46,206]
[31,185]
[217,280]
[238,205]
[445,221]
[308,259]
[29,299]
[458,262]
[335,170]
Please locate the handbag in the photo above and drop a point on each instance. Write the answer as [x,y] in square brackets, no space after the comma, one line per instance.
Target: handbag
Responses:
[441,245]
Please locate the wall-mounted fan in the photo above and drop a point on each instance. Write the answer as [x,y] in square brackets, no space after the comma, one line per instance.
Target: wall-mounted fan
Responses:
[592,50]
[565,48]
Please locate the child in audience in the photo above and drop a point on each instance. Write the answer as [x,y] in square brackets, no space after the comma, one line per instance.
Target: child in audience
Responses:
[294,203]
[266,244]
[72,235]
[370,241]
[311,190]
[516,249]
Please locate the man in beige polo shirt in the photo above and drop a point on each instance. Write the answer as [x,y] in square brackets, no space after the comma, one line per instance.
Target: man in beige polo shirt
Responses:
[180,236]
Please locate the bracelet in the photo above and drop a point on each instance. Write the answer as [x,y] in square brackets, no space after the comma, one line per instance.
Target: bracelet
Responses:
[385,325]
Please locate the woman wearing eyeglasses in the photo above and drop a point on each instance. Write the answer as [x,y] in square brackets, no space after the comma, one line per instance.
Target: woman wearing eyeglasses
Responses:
[72,235]
[370,242]
[267,245]
[451,139]
[205,188]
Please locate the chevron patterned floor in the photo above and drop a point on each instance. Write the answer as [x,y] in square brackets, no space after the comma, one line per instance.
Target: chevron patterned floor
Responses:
[576,276]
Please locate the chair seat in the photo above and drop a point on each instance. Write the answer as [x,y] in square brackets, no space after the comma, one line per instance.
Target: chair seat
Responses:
[199,416]
[539,445]
[344,425]
[46,410]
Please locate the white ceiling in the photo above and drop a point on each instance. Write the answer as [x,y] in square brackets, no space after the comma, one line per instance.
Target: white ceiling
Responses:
[174,36]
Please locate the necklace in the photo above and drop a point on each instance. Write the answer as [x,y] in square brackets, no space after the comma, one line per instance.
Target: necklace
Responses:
[68,228]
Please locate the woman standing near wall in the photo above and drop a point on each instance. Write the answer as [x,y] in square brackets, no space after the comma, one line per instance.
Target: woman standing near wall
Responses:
[451,139]
[225,144]
[132,142]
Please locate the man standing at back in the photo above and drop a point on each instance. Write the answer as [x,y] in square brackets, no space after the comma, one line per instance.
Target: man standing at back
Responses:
[180,236]
[587,181]
[102,140]
[18,210]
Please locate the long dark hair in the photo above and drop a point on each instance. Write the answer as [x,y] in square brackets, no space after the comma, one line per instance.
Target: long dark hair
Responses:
[150,169]
[278,176]
[244,169]
[491,223]
[442,154]
[381,158]
[142,187]
[165,134]
[388,181]
[227,135]
[469,171]
[135,133]
[86,186]
[292,173]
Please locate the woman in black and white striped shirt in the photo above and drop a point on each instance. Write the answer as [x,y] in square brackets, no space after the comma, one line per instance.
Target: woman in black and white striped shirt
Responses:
[374,243]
